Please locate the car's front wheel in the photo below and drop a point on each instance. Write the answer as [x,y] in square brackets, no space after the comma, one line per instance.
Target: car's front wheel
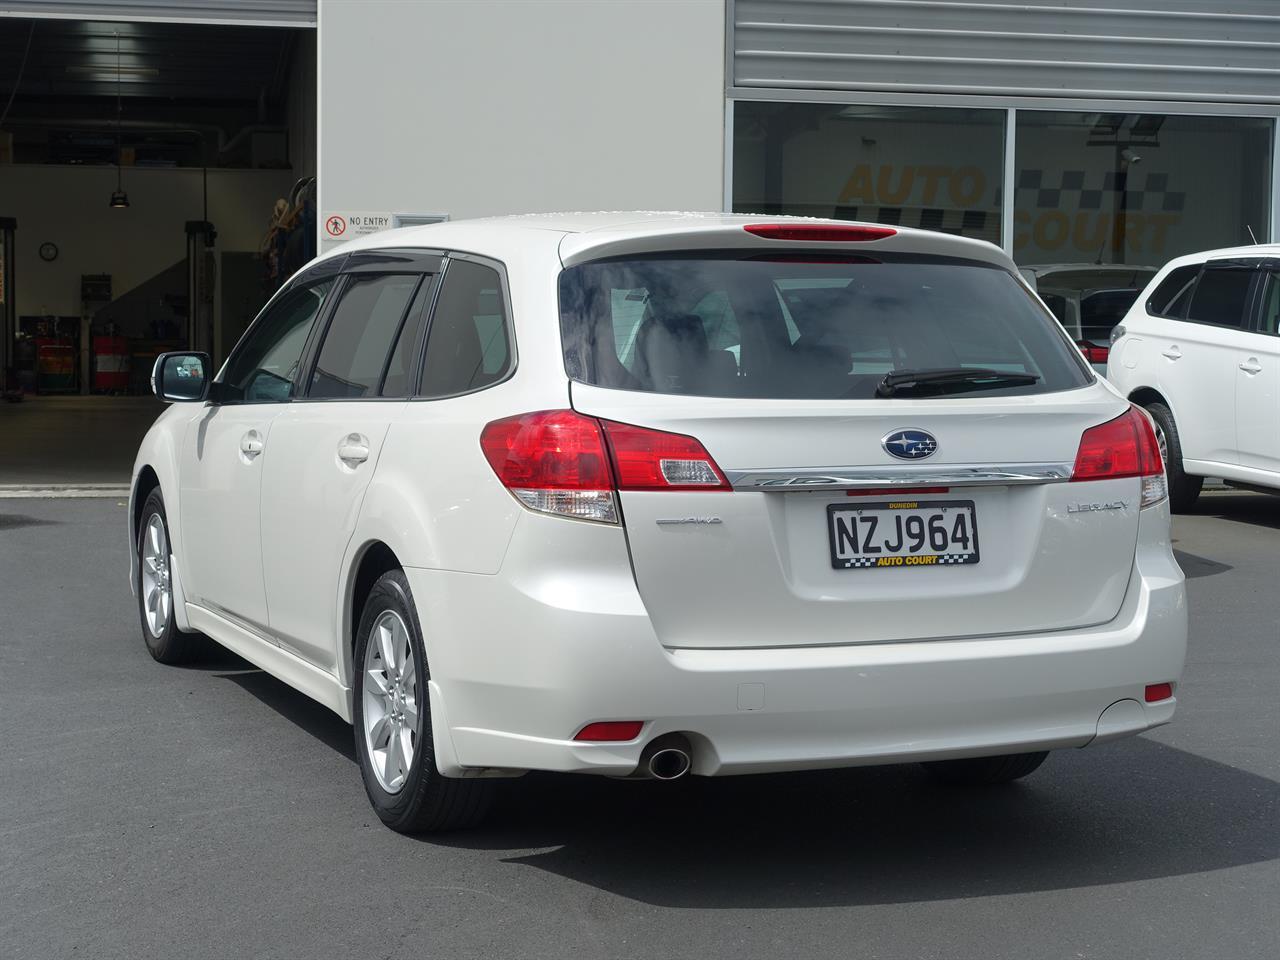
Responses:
[393,721]
[979,771]
[165,642]
[1183,489]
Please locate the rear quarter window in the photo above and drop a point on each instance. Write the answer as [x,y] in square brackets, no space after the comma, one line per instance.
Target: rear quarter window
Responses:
[1173,294]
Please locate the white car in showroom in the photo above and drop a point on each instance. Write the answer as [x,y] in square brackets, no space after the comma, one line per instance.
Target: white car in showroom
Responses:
[1200,350]
[642,495]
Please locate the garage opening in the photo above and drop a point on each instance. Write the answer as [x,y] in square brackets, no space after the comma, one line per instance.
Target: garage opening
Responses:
[157,185]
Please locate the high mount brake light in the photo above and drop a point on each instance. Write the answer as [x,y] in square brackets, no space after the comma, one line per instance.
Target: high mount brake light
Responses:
[1123,447]
[819,232]
[564,463]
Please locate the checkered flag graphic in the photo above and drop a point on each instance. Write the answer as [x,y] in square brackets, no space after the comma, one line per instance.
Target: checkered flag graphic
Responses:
[1076,190]
[980,224]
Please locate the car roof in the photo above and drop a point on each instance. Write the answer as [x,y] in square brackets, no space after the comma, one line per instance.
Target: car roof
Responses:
[577,237]
[1044,269]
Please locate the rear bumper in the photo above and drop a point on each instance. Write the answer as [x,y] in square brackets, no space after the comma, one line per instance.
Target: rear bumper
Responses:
[522,660]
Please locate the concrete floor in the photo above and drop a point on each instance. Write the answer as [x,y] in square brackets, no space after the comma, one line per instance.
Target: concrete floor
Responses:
[212,811]
[73,440]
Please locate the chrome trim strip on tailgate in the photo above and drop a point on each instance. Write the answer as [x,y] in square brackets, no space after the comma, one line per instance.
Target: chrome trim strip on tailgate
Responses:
[854,478]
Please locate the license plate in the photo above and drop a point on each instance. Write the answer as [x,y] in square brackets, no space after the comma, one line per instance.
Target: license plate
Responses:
[909,534]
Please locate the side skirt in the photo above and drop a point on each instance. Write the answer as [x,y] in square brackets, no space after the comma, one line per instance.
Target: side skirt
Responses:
[320,686]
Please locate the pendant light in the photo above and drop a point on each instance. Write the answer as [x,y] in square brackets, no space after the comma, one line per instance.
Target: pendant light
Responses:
[119,199]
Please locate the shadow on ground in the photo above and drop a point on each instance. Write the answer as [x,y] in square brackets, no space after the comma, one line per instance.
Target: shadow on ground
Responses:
[1260,509]
[1194,566]
[1134,810]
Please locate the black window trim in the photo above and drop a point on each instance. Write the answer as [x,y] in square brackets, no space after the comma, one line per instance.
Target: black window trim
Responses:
[504,286]
[330,269]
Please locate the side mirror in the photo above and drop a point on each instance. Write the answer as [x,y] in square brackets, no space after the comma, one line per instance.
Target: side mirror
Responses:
[182,377]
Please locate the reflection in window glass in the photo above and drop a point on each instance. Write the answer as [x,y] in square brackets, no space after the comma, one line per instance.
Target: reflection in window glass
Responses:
[1170,299]
[1220,297]
[1271,305]
[831,329]
[1130,188]
[361,334]
[939,169]
[264,367]
[467,342]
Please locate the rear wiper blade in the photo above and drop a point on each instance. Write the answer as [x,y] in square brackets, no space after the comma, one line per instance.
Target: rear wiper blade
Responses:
[974,378]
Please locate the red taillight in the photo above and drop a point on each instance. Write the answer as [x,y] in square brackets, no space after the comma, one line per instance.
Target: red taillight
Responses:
[610,731]
[1156,692]
[1123,447]
[1092,352]
[654,460]
[561,462]
[553,461]
[819,232]
[550,450]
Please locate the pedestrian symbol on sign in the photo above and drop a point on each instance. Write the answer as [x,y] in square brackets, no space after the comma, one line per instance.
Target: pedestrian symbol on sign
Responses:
[336,226]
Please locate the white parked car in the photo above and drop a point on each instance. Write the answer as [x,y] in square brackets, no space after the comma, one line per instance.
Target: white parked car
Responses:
[647,494]
[1200,350]
[1089,299]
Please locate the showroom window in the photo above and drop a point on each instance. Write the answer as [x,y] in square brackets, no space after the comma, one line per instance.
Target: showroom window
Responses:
[940,169]
[1137,188]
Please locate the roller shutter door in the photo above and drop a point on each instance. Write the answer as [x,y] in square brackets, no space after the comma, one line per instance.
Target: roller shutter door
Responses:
[1175,50]
[277,13]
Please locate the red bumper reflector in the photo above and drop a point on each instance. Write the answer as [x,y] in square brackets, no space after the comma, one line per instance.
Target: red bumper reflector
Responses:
[819,232]
[1158,691]
[610,731]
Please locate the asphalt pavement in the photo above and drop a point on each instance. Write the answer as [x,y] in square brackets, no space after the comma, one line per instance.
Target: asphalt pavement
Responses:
[211,811]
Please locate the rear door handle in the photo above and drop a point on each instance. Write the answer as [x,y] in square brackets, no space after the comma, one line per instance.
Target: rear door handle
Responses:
[353,449]
[251,444]
[1251,366]
[1173,353]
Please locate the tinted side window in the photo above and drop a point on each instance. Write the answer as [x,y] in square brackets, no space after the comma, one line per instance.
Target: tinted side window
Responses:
[1171,297]
[1270,319]
[398,381]
[264,367]
[361,334]
[1220,297]
[468,346]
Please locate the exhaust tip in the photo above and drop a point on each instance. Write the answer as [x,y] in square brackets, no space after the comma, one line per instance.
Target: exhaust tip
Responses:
[670,763]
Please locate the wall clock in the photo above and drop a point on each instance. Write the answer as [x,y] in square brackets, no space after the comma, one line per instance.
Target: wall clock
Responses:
[48,251]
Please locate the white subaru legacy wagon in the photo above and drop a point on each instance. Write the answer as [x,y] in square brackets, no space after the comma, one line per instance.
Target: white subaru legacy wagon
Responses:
[644,495]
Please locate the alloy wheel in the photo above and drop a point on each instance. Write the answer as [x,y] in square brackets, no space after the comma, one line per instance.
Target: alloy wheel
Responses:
[157,591]
[392,719]
[1163,443]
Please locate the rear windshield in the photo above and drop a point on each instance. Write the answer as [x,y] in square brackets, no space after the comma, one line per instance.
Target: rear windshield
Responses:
[813,327]
[1101,311]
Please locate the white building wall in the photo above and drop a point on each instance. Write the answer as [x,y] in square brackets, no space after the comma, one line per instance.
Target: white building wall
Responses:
[483,107]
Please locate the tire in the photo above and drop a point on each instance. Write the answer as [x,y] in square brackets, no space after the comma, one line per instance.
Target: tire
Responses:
[1183,489]
[983,771]
[413,797]
[165,642]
